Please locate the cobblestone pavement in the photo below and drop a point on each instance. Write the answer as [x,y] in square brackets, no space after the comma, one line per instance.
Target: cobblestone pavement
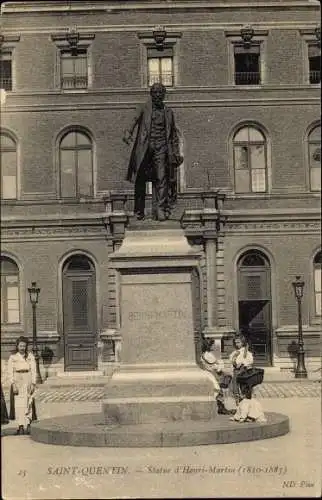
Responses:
[266,390]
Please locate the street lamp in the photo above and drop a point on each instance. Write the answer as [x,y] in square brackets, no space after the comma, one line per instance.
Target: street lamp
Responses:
[34,295]
[300,371]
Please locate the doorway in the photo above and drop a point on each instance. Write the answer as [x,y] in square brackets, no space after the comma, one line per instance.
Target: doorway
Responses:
[255,304]
[79,314]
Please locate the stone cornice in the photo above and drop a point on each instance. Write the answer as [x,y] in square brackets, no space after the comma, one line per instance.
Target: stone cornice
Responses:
[235,33]
[265,227]
[139,5]
[187,194]
[7,39]
[291,330]
[272,214]
[194,103]
[172,28]
[53,228]
[273,221]
[149,35]
[53,219]
[142,92]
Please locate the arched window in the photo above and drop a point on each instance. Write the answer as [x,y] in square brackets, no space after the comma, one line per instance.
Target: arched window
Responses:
[10,304]
[250,161]
[76,165]
[314,144]
[317,264]
[8,167]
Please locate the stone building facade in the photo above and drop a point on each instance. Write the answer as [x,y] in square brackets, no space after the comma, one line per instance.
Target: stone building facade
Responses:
[243,80]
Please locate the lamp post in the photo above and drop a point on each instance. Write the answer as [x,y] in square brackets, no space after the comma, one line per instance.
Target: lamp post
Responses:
[34,295]
[300,371]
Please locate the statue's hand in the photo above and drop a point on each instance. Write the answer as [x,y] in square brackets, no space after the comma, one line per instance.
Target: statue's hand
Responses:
[176,160]
[127,138]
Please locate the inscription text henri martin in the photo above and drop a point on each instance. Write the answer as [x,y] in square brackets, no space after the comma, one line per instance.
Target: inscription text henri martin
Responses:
[156,315]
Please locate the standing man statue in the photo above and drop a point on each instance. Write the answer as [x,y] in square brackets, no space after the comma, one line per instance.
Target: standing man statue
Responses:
[155,155]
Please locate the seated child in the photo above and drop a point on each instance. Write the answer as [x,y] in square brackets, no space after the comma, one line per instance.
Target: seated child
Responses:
[248,410]
[215,366]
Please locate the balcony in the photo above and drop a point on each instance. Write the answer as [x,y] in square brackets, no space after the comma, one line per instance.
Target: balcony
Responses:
[315,77]
[247,78]
[74,82]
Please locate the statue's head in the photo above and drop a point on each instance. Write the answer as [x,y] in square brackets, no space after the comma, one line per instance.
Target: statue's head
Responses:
[157,92]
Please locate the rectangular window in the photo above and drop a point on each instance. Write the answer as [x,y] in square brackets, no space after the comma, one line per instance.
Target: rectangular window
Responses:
[160,67]
[74,70]
[68,174]
[5,71]
[257,157]
[318,290]
[85,172]
[315,166]
[314,53]
[250,169]
[247,65]
[8,175]
[10,300]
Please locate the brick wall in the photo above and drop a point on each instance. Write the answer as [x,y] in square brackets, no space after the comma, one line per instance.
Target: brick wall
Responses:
[40,261]
[284,58]
[116,60]
[291,255]
[206,126]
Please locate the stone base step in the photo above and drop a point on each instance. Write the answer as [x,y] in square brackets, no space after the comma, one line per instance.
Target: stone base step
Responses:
[90,430]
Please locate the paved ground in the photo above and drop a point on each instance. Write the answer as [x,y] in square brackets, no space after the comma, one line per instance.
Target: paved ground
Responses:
[288,466]
[266,390]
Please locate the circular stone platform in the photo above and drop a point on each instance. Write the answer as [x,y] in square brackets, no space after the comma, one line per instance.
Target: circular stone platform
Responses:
[90,430]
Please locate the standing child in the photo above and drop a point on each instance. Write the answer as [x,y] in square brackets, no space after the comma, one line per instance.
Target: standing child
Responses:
[241,358]
[22,375]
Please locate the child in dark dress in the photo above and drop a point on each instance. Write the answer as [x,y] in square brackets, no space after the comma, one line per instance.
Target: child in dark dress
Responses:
[4,413]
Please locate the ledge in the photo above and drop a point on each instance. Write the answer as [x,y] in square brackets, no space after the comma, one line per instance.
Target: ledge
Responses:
[292,331]
[110,334]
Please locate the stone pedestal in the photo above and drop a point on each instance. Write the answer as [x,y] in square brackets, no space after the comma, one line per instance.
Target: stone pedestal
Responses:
[159,379]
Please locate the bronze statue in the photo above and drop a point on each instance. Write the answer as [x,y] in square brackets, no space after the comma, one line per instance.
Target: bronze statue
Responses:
[155,155]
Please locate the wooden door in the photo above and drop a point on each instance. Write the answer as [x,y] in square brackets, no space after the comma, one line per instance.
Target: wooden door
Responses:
[254,304]
[79,304]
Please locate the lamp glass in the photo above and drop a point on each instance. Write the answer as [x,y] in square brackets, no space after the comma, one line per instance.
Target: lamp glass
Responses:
[33,293]
[298,287]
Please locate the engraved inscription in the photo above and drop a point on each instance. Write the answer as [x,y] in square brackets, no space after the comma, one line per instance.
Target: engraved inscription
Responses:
[156,315]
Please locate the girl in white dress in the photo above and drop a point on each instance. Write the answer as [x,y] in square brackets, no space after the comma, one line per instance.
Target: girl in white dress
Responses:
[249,409]
[240,359]
[22,376]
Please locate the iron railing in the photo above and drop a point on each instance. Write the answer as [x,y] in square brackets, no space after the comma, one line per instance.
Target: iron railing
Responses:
[247,78]
[74,82]
[315,76]
[165,78]
[6,83]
